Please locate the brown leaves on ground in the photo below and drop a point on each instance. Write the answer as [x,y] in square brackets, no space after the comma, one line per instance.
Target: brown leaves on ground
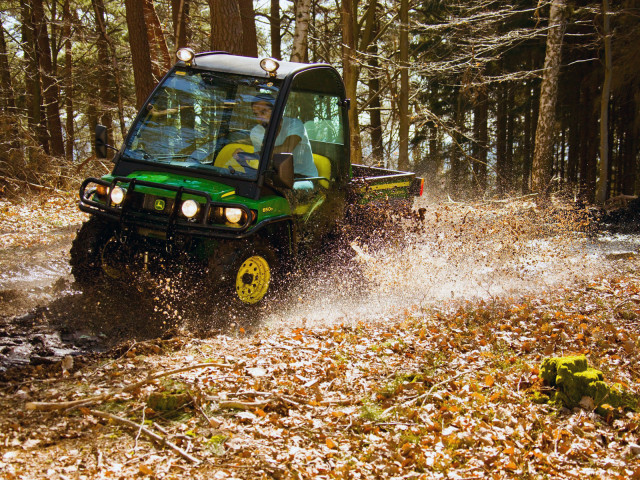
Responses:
[28,222]
[428,394]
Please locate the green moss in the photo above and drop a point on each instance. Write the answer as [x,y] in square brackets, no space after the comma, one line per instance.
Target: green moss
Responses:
[575,380]
[167,401]
[549,368]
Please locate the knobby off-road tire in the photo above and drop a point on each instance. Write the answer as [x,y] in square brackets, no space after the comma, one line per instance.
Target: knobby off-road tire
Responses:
[245,270]
[86,252]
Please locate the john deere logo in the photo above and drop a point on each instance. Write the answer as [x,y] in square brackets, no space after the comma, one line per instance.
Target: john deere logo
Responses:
[159,204]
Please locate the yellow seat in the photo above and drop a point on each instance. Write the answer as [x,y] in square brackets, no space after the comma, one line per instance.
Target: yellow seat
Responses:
[225,157]
[323,165]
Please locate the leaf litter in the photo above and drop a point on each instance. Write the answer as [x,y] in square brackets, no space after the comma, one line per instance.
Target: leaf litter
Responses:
[401,380]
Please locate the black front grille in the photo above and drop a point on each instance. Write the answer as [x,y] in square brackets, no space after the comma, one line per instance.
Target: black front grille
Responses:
[157,204]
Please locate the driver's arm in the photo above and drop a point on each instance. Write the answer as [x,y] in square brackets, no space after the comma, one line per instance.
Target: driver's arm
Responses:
[288,145]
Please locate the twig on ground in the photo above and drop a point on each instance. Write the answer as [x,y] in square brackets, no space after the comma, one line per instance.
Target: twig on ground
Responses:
[52,406]
[155,437]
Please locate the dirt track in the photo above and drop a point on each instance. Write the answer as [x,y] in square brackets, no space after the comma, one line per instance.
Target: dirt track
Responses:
[466,253]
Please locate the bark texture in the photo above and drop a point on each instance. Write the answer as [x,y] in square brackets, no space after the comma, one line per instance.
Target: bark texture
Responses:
[140,54]
[299,47]
[226,26]
[543,152]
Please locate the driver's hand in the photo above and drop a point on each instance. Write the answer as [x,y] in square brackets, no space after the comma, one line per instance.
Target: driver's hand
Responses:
[235,154]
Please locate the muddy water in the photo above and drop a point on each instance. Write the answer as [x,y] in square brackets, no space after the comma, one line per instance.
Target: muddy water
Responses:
[461,254]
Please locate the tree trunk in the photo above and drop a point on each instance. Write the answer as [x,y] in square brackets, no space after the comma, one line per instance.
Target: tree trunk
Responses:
[501,139]
[140,55]
[35,116]
[588,138]
[6,86]
[180,16]
[350,76]
[249,34]
[509,166]
[601,195]
[113,73]
[631,146]
[403,158]
[68,74]
[274,24]
[543,152]
[374,105]
[573,160]
[161,58]
[50,91]
[299,47]
[105,79]
[480,146]
[226,26]
[527,147]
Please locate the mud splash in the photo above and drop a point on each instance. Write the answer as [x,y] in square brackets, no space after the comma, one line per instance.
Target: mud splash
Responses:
[463,253]
[455,253]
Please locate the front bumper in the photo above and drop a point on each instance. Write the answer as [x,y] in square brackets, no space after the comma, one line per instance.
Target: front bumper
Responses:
[135,211]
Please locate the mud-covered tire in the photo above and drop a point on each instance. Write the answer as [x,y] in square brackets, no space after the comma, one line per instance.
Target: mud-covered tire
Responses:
[246,271]
[86,252]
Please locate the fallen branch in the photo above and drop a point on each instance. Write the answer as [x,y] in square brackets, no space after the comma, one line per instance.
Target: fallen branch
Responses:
[148,433]
[242,405]
[53,406]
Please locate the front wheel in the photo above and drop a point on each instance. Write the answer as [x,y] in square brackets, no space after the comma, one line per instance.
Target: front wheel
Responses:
[92,245]
[245,269]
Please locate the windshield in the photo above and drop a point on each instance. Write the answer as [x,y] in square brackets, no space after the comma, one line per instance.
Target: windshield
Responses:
[203,121]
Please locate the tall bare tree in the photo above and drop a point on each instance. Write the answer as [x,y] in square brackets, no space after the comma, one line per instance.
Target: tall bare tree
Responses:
[299,47]
[161,62]
[50,89]
[249,34]
[68,74]
[350,75]
[403,158]
[226,26]
[6,85]
[601,193]
[543,151]
[180,15]
[140,52]
[274,24]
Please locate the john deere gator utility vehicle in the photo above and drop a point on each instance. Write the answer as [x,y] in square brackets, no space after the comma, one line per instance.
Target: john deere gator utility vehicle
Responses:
[232,164]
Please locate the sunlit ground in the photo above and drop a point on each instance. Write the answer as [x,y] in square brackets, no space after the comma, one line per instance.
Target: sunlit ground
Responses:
[464,253]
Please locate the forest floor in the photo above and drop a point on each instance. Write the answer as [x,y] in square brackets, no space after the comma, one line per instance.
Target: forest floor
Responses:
[424,366]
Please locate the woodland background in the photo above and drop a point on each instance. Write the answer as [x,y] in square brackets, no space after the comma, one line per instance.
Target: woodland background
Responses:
[482,98]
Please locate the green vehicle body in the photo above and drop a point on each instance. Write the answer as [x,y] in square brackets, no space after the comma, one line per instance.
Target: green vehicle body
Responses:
[250,214]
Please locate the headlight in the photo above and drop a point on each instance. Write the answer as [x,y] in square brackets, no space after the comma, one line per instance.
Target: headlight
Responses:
[117,195]
[234,215]
[102,191]
[190,208]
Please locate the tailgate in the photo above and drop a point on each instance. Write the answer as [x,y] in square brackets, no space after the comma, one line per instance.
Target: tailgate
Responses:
[373,183]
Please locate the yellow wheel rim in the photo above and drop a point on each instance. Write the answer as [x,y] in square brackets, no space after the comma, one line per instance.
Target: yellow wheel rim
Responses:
[252,280]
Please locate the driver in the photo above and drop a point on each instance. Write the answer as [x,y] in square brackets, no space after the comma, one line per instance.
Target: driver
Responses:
[292,136]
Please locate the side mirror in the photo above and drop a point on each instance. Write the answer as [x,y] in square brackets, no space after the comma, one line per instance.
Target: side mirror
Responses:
[283,165]
[101,141]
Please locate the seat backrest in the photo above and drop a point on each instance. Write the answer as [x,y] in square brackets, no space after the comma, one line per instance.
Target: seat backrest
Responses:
[225,156]
[323,164]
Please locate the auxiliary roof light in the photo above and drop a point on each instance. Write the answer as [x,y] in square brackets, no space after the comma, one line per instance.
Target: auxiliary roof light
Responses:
[270,66]
[185,55]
